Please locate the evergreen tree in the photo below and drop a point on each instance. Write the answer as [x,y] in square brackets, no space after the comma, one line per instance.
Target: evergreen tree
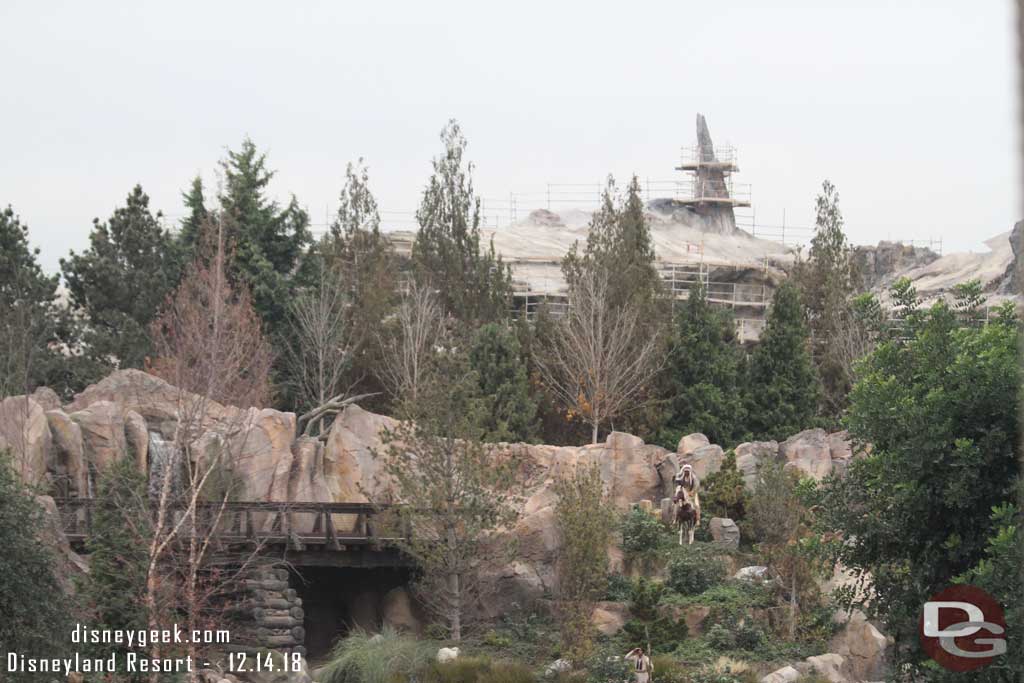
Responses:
[117,285]
[724,492]
[619,242]
[191,225]
[270,242]
[704,378]
[783,388]
[474,284]
[27,313]
[511,410]
[36,612]
[119,552]
[361,256]
[828,280]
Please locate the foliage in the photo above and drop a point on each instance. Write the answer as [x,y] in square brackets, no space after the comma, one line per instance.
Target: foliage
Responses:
[784,389]
[130,253]
[457,489]
[661,634]
[692,571]
[36,614]
[618,588]
[585,522]
[828,281]
[724,493]
[939,403]
[362,260]
[644,597]
[27,313]
[477,670]
[642,533]
[705,373]
[474,284]
[207,338]
[118,548]
[270,240]
[496,357]
[999,573]
[606,665]
[362,657]
[197,214]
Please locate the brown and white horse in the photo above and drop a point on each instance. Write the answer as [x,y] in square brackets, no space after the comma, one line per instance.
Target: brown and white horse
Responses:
[687,515]
[687,501]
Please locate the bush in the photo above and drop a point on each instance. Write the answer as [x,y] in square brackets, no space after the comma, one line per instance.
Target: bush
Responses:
[607,665]
[661,634]
[644,597]
[641,532]
[749,636]
[691,572]
[721,638]
[669,670]
[619,588]
[379,658]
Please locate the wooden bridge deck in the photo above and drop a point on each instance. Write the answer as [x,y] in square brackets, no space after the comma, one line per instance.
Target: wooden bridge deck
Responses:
[312,534]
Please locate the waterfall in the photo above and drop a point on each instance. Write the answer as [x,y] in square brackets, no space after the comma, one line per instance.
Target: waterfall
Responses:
[163,454]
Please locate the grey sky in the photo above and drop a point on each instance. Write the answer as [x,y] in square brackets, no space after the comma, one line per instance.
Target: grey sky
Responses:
[908,107]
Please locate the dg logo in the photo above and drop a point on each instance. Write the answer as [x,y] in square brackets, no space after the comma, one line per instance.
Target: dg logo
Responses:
[963,628]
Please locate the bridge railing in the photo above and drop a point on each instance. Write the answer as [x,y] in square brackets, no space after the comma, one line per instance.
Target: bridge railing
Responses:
[297,524]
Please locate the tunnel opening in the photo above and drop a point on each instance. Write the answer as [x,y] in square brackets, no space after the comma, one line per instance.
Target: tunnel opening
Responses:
[336,600]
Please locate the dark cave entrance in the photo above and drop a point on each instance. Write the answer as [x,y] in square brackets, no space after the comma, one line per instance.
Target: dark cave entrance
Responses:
[338,599]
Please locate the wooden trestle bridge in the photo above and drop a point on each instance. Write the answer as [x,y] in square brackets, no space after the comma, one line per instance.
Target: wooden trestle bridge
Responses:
[307,533]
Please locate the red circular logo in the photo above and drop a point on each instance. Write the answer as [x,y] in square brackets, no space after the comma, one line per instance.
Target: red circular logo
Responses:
[963,628]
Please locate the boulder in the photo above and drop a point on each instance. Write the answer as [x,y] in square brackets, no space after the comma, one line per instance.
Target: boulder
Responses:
[136,434]
[399,612]
[609,617]
[47,398]
[694,617]
[786,674]
[831,667]
[724,532]
[753,573]
[691,442]
[24,431]
[705,460]
[68,564]
[103,433]
[557,667]
[863,647]
[809,452]
[749,457]
[70,451]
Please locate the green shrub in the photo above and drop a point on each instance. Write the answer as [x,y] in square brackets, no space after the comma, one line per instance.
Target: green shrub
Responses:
[641,532]
[376,658]
[661,634]
[606,665]
[692,571]
[669,670]
[721,637]
[749,636]
[645,596]
[495,639]
[619,588]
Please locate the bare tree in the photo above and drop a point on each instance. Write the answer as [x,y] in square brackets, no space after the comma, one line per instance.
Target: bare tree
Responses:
[599,358]
[322,344]
[212,349]
[408,346]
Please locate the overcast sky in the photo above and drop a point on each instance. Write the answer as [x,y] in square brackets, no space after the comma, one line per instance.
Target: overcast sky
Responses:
[908,107]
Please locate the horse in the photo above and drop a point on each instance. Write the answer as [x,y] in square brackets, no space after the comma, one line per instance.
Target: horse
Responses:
[687,515]
[689,480]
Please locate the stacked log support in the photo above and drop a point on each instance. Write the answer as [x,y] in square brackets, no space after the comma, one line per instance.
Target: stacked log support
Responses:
[268,614]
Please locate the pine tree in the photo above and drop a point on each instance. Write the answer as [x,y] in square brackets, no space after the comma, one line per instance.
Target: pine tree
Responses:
[828,280]
[119,550]
[27,315]
[474,284]
[356,252]
[270,242]
[724,492]
[783,388]
[705,373]
[117,285]
[36,612]
[511,410]
[191,225]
